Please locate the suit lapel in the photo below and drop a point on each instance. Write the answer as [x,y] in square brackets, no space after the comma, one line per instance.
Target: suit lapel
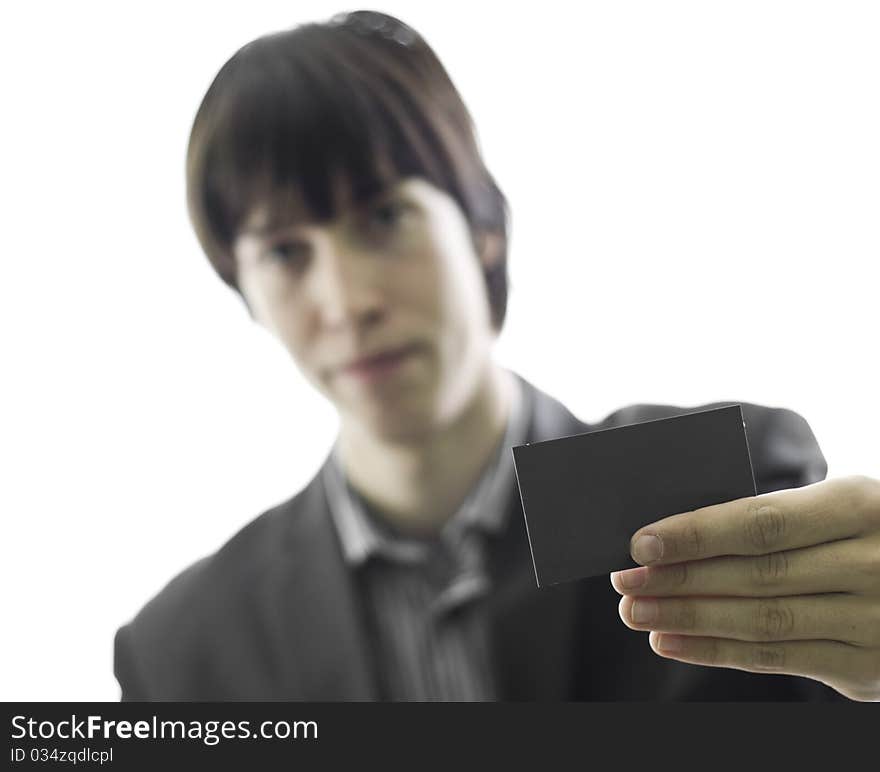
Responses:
[327,655]
[532,629]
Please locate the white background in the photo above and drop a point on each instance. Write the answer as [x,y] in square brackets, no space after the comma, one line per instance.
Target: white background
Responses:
[694,189]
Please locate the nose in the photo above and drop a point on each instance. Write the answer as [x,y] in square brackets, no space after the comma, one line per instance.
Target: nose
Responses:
[345,286]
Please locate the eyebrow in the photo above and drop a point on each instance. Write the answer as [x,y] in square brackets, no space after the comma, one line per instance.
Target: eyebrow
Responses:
[266,229]
[272,227]
[360,200]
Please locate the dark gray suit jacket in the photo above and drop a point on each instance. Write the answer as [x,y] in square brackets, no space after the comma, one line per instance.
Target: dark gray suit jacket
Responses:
[275,615]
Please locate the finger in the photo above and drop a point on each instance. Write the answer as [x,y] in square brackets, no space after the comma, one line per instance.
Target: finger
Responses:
[831,662]
[844,618]
[757,525]
[848,565]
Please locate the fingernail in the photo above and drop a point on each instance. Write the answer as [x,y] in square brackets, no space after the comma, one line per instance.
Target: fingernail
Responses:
[643,611]
[669,643]
[631,578]
[647,549]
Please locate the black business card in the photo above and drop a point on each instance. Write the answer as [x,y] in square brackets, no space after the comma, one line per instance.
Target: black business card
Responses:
[584,496]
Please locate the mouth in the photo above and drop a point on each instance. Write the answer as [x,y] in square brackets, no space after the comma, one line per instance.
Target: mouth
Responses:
[379,366]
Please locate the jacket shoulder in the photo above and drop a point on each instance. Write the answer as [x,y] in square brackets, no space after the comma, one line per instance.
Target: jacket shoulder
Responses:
[783,448]
[161,648]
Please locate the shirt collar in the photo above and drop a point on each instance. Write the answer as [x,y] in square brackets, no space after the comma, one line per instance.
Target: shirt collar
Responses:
[485,506]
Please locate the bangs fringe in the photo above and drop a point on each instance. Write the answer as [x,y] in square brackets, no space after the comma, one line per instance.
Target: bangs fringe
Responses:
[292,119]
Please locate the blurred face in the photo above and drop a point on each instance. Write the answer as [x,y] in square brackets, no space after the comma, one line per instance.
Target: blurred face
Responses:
[384,309]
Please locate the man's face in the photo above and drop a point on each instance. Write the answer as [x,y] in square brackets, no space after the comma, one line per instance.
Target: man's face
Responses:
[397,277]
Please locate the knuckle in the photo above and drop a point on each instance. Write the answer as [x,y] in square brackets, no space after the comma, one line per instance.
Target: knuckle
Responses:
[685,617]
[677,575]
[773,621]
[689,542]
[764,527]
[770,570]
[767,657]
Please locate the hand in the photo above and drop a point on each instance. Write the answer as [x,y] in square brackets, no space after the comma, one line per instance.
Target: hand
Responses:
[785,582]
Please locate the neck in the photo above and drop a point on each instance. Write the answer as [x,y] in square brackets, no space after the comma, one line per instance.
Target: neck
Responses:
[416,487]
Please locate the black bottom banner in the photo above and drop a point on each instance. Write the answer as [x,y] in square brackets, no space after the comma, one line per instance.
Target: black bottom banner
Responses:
[265,735]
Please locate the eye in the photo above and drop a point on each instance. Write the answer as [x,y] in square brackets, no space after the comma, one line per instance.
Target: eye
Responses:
[293,254]
[387,214]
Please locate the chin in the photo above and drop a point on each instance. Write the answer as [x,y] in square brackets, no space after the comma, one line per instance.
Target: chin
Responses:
[398,423]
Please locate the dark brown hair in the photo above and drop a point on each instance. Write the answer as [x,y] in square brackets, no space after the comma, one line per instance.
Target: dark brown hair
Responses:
[361,97]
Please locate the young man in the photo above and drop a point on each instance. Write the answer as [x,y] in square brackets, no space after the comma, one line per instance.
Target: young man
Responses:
[335,182]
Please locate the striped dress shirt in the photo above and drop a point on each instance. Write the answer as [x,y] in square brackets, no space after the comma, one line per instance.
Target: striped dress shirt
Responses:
[425,625]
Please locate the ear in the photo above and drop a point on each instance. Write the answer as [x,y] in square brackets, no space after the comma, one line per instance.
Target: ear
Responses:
[490,247]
